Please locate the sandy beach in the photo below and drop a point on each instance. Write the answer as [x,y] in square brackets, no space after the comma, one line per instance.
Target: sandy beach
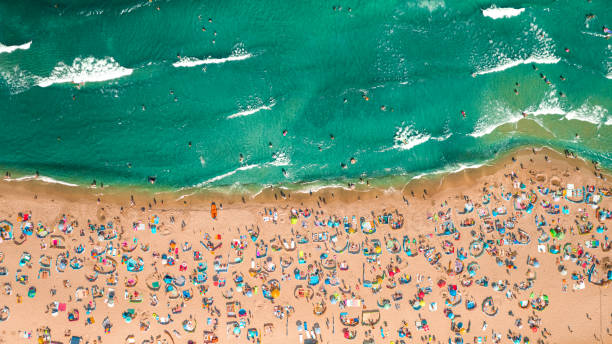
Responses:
[516,252]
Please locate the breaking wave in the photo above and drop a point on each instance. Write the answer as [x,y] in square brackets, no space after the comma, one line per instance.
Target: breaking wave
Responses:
[250,111]
[88,69]
[238,54]
[10,48]
[497,13]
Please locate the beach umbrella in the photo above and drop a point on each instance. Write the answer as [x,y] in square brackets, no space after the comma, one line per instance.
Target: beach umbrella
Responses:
[275,293]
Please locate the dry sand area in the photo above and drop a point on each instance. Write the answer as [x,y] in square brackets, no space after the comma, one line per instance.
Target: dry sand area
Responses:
[517,252]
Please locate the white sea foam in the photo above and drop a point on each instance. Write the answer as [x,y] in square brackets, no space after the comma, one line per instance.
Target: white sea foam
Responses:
[10,48]
[280,159]
[442,138]
[431,5]
[451,169]
[88,69]
[40,178]
[17,80]
[407,138]
[497,13]
[135,7]
[594,114]
[227,174]
[509,63]
[498,114]
[250,111]
[494,116]
[550,105]
[505,56]
[194,61]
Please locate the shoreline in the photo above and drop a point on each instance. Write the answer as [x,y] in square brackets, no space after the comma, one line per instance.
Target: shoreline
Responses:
[189,221]
[262,193]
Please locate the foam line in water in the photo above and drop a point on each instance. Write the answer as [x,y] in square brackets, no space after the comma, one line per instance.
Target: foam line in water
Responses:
[506,12]
[513,63]
[483,129]
[250,111]
[280,159]
[227,174]
[593,114]
[194,61]
[10,48]
[451,169]
[407,138]
[40,178]
[88,69]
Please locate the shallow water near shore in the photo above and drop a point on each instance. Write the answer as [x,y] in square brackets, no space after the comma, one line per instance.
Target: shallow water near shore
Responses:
[98,91]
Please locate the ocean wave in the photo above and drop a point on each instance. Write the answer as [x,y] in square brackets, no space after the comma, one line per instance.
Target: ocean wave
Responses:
[509,63]
[17,80]
[237,55]
[40,178]
[494,117]
[227,174]
[506,57]
[10,48]
[407,138]
[280,159]
[500,115]
[594,114]
[135,7]
[88,69]
[497,13]
[250,111]
[550,105]
[451,169]
[431,5]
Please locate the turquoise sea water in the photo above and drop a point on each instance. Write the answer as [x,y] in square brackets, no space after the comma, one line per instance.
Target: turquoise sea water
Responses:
[97,90]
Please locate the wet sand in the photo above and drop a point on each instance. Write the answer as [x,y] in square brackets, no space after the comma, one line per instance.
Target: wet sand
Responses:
[188,219]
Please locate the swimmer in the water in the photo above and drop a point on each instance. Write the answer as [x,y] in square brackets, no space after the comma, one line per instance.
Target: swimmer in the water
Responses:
[524,114]
[285,132]
[189,144]
[534,67]
[516,91]
[331,136]
[241,159]
[562,94]
[284,172]
[270,144]
[343,165]
[353,161]
[463,113]
[562,77]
